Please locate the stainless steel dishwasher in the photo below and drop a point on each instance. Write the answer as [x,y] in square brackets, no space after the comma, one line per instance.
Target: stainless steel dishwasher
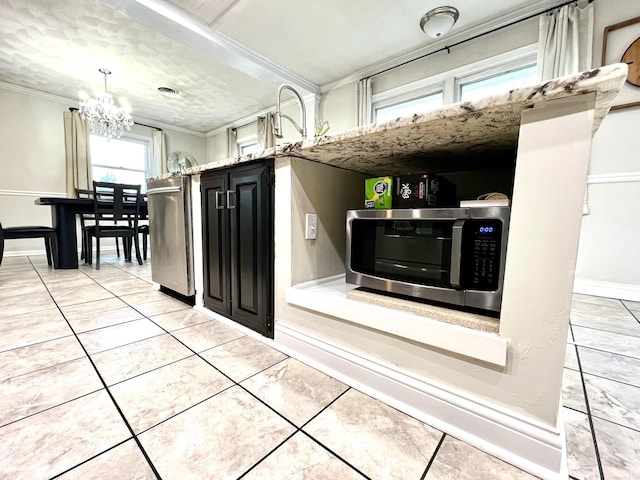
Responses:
[171,233]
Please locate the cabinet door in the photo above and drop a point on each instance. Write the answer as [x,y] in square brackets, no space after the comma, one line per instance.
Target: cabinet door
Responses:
[251,225]
[215,243]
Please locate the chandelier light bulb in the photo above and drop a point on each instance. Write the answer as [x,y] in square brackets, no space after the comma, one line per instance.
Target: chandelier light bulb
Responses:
[104,116]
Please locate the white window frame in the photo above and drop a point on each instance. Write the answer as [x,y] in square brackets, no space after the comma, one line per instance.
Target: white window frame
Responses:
[449,82]
[133,138]
[246,141]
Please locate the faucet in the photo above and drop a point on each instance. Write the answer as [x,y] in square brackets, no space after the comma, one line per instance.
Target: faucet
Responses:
[277,121]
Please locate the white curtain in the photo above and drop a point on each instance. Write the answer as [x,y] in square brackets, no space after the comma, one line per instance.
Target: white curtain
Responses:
[363,99]
[159,154]
[78,153]
[232,142]
[266,138]
[565,41]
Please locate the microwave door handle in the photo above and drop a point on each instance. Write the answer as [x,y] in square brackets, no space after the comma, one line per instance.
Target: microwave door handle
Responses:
[456,253]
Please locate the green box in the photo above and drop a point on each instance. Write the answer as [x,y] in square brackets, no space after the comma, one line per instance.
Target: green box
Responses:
[378,192]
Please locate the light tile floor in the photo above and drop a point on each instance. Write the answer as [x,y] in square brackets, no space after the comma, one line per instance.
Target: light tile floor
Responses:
[102,377]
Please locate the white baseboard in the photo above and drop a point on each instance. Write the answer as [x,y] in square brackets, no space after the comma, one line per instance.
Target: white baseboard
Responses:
[524,442]
[23,253]
[607,289]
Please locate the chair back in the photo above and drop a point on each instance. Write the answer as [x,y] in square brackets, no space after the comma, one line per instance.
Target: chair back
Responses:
[116,201]
[1,243]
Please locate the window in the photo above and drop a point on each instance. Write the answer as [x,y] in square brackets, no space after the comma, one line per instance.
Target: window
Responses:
[248,145]
[402,109]
[520,77]
[503,72]
[121,160]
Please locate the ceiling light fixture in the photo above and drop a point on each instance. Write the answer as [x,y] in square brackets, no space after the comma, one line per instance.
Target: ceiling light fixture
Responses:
[104,116]
[168,90]
[437,22]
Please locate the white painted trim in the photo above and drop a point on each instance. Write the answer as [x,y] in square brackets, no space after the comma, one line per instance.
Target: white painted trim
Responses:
[28,193]
[607,289]
[436,82]
[521,13]
[194,32]
[22,253]
[241,122]
[328,296]
[74,102]
[524,442]
[613,178]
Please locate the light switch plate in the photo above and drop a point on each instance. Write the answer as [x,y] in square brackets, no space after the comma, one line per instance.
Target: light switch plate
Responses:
[310,226]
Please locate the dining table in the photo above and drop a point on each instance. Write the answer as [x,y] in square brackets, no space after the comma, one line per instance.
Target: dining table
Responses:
[63,219]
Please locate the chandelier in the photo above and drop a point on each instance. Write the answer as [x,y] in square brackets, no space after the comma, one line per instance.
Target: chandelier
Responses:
[104,116]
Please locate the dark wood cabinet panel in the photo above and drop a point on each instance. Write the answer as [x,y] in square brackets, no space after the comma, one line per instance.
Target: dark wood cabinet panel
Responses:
[216,239]
[237,207]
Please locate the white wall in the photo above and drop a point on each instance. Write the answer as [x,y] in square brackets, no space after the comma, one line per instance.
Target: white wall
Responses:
[606,256]
[185,142]
[32,158]
[32,161]
[327,192]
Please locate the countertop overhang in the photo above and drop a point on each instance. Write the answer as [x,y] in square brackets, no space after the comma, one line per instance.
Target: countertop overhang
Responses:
[454,137]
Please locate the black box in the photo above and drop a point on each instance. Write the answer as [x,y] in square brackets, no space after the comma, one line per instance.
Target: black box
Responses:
[422,190]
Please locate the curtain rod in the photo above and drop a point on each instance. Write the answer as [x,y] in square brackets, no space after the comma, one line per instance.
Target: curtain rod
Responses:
[150,126]
[75,109]
[447,48]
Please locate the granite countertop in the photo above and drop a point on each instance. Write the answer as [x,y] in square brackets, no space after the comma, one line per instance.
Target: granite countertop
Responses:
[454,137]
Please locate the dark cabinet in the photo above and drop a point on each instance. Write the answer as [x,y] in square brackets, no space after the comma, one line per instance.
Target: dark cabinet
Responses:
[237,228]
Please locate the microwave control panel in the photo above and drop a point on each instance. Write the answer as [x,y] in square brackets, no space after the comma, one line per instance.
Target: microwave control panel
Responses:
[482,254]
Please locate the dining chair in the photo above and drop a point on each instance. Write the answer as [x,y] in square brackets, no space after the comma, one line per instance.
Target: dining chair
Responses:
[113,203]
[144,230]
[17,233]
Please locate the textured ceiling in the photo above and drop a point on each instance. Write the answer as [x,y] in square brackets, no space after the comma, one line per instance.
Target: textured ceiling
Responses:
[225,56]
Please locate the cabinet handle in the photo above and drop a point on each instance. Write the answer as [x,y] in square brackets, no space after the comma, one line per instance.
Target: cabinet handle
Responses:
[231,194]
[219,204]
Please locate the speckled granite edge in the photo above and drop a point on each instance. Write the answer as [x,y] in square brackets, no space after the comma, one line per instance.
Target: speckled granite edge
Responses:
[454,317]
[605,81]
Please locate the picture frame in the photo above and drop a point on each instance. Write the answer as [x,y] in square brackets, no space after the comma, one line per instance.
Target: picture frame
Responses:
[616,41]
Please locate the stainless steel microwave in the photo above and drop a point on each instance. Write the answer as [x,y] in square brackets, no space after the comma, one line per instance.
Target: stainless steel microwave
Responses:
[451,255]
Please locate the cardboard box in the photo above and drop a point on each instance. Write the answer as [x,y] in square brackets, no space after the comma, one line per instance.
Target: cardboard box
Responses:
[378,192]
[423,190]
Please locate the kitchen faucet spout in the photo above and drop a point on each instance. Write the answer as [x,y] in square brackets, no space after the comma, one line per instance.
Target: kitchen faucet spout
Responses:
[277,123]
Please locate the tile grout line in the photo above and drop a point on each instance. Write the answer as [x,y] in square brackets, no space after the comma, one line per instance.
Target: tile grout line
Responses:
[630,312]
[433,457]
[335,454]
[89,459]
[589,418]
[120,412]
[238,384]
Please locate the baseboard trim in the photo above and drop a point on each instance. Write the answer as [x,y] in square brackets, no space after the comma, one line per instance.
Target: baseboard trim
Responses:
[30,193]
[521,441]
[607,289]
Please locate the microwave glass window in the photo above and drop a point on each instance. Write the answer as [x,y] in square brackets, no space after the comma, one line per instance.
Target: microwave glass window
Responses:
[414,251]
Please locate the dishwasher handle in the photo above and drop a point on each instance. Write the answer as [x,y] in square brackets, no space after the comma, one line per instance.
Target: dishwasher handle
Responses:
[159,190]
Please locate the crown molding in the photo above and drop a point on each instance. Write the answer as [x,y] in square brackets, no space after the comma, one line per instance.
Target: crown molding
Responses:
[190,30]
[241,122]
[74,102]
[523,13]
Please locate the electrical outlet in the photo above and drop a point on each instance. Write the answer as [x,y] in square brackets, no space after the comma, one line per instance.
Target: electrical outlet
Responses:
[310,226]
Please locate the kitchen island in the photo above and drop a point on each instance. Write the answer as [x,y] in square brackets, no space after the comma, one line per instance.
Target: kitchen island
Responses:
[497,391]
